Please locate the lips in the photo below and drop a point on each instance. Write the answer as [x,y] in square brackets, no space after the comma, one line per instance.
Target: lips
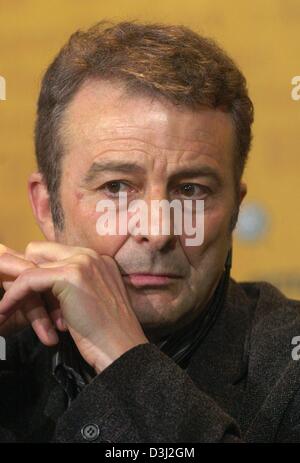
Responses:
[150,279]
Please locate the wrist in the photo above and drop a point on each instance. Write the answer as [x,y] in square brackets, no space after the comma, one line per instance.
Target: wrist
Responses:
[101,361]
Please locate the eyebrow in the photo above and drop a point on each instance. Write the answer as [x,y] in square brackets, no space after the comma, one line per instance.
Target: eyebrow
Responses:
[199,171]
[112,166]
[131,167]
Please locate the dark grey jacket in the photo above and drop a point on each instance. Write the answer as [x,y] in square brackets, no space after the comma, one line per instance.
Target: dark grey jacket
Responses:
[242,384]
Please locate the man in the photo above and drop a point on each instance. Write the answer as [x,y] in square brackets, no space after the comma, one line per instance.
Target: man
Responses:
[139,337]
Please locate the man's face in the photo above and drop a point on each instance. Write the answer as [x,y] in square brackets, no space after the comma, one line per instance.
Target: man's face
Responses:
[164,144]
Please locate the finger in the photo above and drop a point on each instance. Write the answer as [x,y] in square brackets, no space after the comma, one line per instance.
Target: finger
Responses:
[49,302]
[111,277]
[109,271]
[4,249]
[13,324]
[52,306]
[11,266]
[41,323]
[117,277]
[79,257]
[43,251]
[35,280]
[61,264]
[7,284]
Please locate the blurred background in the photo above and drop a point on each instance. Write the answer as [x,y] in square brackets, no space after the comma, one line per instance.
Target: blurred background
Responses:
[262,37]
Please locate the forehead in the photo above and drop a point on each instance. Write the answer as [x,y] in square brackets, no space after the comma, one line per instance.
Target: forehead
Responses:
[102,117]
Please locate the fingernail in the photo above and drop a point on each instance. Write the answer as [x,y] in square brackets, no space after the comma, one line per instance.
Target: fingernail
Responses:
[52,335]
[61,324]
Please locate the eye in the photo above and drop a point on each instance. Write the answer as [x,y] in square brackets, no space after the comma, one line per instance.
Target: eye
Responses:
[115,187]
[192,190]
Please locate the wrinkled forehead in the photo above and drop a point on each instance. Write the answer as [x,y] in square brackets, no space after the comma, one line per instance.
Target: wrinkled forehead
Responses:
[102,117]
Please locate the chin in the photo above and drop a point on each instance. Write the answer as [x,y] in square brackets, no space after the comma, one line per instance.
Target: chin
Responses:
[157,312]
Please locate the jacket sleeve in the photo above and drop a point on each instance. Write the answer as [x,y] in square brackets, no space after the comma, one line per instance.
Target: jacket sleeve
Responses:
[144,396]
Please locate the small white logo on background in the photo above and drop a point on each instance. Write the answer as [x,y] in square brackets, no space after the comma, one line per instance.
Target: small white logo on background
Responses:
[2,88]
[296,350]
[295,94]
[2,348]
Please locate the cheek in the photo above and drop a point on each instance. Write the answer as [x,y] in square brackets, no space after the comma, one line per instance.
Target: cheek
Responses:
[216,225]
[81,221]
[108,245]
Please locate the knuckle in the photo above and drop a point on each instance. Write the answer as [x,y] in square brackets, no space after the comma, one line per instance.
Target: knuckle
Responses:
[3,255]
[26,273]
[85,260]
[82,269]
[23,277]
[30,265]
[3,249]
[93,253]
[89,252]
[76,272]
[6,284]
[29,248]
[83,266]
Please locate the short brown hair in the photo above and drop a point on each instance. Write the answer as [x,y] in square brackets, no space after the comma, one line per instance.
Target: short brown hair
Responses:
[156,59]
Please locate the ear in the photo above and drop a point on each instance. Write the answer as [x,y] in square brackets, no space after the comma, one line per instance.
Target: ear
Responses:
[238,201]
[243,192]
[40,203]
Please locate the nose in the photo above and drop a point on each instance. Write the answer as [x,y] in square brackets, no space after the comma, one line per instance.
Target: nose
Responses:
[159,232]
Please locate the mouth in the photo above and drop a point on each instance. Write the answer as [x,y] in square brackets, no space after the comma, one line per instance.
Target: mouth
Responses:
[150,279]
